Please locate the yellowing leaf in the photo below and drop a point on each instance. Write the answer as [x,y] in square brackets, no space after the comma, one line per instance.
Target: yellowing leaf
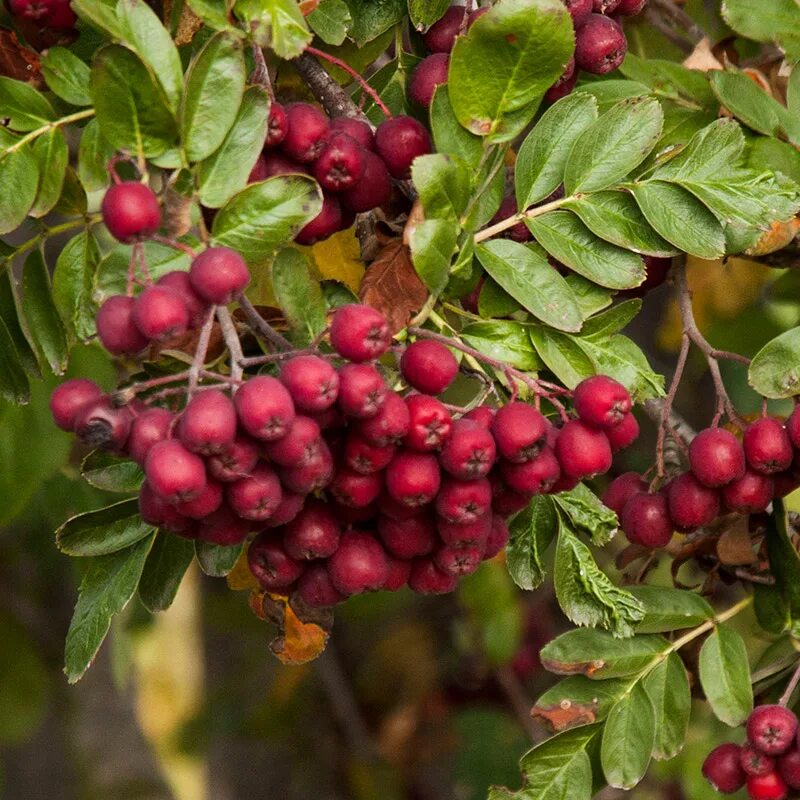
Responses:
[338,258]
[776,238]
[240,576]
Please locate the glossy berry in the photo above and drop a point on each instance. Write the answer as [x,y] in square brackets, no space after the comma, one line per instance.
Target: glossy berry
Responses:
[218,274]
[360,333]
[340,164]
[359,565]
[427,578]
[116,328]
[537,476]
[289,507]
[789,768]
[469,452]
[373,189]
[399,141]
[413,478]
[415,536]
[154,510]
[308,129]
[208,423]
[355,489]
[600,45]
[624,434]
[749,494]
[397,575]
[360,456]
[691,504]
[356,129]
[482,415]
[173,472]
[646,521]
[767,787]
[772,729]
[205,504]
[277,125]
[313,533]
[463,560]
[310,477]
[264,407]
[68,399]
[519,430]
[389,425]
[428,366]
[160,313]
[716,457]
[100,424]
[441,36]
[312,382]
[270,564]
[429,73]
[179,282]
[723,769]
[459,534]
[130,211]
[793,427]
[430,423]
[148,428]
[754,762]
[325,224]
[362,390]
[601,401]
[278,164]
[582,450]
[235,461]
[315,588]
[767,446]
[223,527]
[255,496]
[579,10]
[301,445]
[621,489]
[464,502]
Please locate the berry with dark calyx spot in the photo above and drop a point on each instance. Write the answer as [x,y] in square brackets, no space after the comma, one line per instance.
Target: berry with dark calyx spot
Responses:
[289,507]
[564,85]
[600,45]
[519,430]
[54,15]
[308,129]
[130,211]
[116,329]
[767,787]
[646,520]
[160,313]
[223,527]
[457,561]
[601,401]
[255,496]
[389,426]
[218,274]
[749,494]
[277,125]
[413,478]
[441,36]
[429,73]
[754,762]
[173,472]
[362,390]
[68,399]
[537,476]
[208,423]
[397,575]
[624,434]
[236,461]
[359,564]
[772,729]
[691,504]
[356,129]
[100,424]
[206,503]
[629,8]
[399,141]
[315,588]
[605,6]
[458,534]
[464,501]
[277,164]
[469,452]
[154,510]
[723,768]
[427,578]
[430,423]
[148,428]
[264,407]
[310,477]
[325,224]
[270,564]
[582,450]
[373,189]
[789,768]
[408,538]
[767,446]
[428,366]
[355,489]
[313,533]
[301,444]
[312,382]
[179,282]
[621,489]
[716,457]
[518,232]
[362,457]
[340,164]
[497,539]
[579,10]
[360,333]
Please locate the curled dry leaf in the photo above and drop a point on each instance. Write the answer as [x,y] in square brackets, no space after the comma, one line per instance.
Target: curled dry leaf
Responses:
[735,546]
[18,61]
[702,57]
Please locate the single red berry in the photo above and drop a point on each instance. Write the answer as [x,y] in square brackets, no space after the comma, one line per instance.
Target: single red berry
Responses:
[624,434]
[354,489]
[116,328]
[173,472]
[160,313]
[646,520]
[399,141]
[362,390]
[205,504]
[429,73]
[223,527]
[772,729]
[68,399]
[621,489]
[277,125]
[605,6]
[459,534]
[723,768]
[270,564]
[48,14]
[427,578]
[754,762]
[716,457]
[469,452]
[360,333]
[289,507]
[179,282]
[313,533]
[497,539]
[259,172]
[312,382]
[130,211]
[793,427]
[519,430]
[430,423]
[340,165]
[428,366]
[308,129]
[582,450]
[579,10]
[691,504]
[300,446]
[508,208]
[389,426]
[749,494]
[397,575]
[360,456]
[208,423]
[464,502]
[789,768]
[359,565]
[413,478]
[331,419]
[441,36]
[463,560]
[310,477]
[264,407]
[325,224]
[356,129]
[277,164]
[408,538]
[255,496]
[537,476]
[601,401]
[629,8]
[154,510]
[148,428]
[218,274]
[767,446]
[315,588]
[481,415]
[767,787]
[564,85]
[100,424]
[235,461]
[373,189]
[600,45]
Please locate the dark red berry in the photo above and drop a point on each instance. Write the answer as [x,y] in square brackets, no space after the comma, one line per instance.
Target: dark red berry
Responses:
[624,434]
[519,430]
[218,274]
[205,504]
[356,129]
[389,426]
[259,171]
[605,6]
[793,427]
[459,534]
[270,564]
[313,533]
[716,457]
[160,313]
[362,390]
[312,382]
[413,478]
[430,423]
[130,211]
[236,461]
[179,282]
[277,125]
[428,366]
[429,73]
[325,224]
[255,496]
[208,423]
[582,450]
[469,452]
[482,415]
[441,36]
[289,507]
[223,527]
[300,446]
[68,399]
[360,564]
[601,401]
[399,141]
[458,561]
[148,428]
[408,538]
[308,129]
[427,578]
[277,164]
[397,575]
[100,424]
[749,494]
[373,189]
[393,509]
[789,768]
[464,502]
[264,407]
[579,10]
[354,489]
[340,165]
[621,489]
[772,729]
[646,521]
[785,483]
[564,85]
[497,539]
[656,271]
[154,510]
[537,476]
[723,768]
[365,459]
[55,15]
[767,446]
[315,588]
[116,328]
[754,762]
[508,208]
[600,45]
[629,8]
[767,787]
[360,333]
[173,472]
[506,501]
[691,504]
[310,477]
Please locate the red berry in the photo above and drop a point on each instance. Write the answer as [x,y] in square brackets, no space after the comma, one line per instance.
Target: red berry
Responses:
[49,14]
[270,564]
[277,125]
[312,382]
[394,509]
[373,189]
[175,473]
[413,478]
[723,768]
[428,366]
[255,496]
[68,399]
[389,426]
[340,164]
[236,461]
[264,407]
[259,171]
[749,494]
[429,73]
[116,328]
[459,534]
[206,503]
[629,8]
[365,459]
[277,164]
[497,539]
[691,504]
[621,489]
[605,6]
[469,452]
[624,434]
[179,282]
[458,561]
[532,477]
[148,428]
[289,507]
[397,575]
[767,446]
[646,521]
[310,477]
[308,129]
[430,423]
[793,427]
[130,211]
[99,424]
[362,390]
[399,141]
[716,457]
[579,10]
[482,415]
[360,564]
[754,762]
[601,401]
[789,768]
[360,333]
[218,274]
[441,36]
[564,85]
[315,588]
[313,533]
[464,502]
[408,538]
[208,423]
[223,527]
[354,489]
[600,45]
[772,729]
[325,224]
[160,313]
[427,578]
[356,129]
[767,787]
[300,446]
[518,232]
[519,430]
[582,451]
[154,510]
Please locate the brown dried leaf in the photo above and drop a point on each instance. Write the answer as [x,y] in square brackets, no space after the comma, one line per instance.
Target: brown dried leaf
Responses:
[18,61]
[392,285]
[188,25]
[299,640]
[702,57]
[240,576]
[587,668]
[566,714]
[734,546]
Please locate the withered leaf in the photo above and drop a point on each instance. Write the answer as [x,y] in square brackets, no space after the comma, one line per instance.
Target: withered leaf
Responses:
[566,714]
[18,61]
[734,546]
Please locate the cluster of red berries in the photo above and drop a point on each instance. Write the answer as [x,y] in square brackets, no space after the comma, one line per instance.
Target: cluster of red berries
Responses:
[54,15]
[353,165]
[725,476]
[768,763]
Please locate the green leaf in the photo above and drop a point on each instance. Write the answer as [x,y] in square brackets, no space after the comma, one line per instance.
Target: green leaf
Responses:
[216,560]
[265,216]
[72,202]
[50,151]
[101,14]
[443,184]
[73,280]
[13,380]
[503,339]
[111,473]
[615,217]
[41,315]
[448,134]
[111,274]
[164,569]
[680,218]
[371,19]
[214,13]
[667,609]
[610,92]
[506,62]
[132,110]
[19,182]
[578,700]
[528,277]
[667,686]
[107,587]
[725,676]
[612,320]
[330,21]
[433,243]
[226,171]
[25,107]
[107,530]
[94,153]
[784,560]
[775,369]
[531,532]
[298,294]
[67,76]
[277,24]
[599,655]
[669,79]
[764,152]
[587,514]
[569,241]
[710,153]
[542,158]
[564,356]
[585,593]
[628,739]
[9,314]
[424,13]
[776,20]
[612,147]
[591,298]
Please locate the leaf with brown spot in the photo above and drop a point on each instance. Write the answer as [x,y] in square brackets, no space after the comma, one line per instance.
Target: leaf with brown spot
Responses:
[779,235]
[392,285]
[307,6]
[298,641]
[566,714]
[240,576]
[735,546]
[18,61]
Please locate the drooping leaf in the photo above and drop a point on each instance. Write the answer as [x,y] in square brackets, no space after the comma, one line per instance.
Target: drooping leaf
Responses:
[19,181]
[216,560]
[107,530]
[73,280]
[299,295]
[166,564]
[111,473]
[50,151]
[15,326]
[94,153]
[13,380]
[725,675]
[667,686]
[668,609]
[531,532]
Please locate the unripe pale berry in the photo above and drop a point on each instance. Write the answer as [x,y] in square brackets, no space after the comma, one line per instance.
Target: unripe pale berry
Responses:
[691,504]
[519,430]
[236,461]
[408,538]
[537,476]
[354,489]
[723,769]
[621,489]
[464,502]
[428,366]
[116,328]
[430,423]
[469,452]
[413,478]
[362,390]
[312,382]
[173,472]
[255,496]
[427,578]
[223,527]
[277,125]
[148,428]
[399,141]
[264,407]
[360,564]
[325,224]
[600,45]
[356,129]
[313,533]
[100,424]
[130,211]
[205,504]
[624,434]
[360,333]
[389,426]
[716,457]
[208,423]
[582,451]
[218,274]
[772,729]
[749,494]
[601,401]
[300,446]
[315,588]
[646,521]
[270,564]
[68,399]
[429,73]
[340,164]
[308,129]
[154,510]
[767,446]
[373,189]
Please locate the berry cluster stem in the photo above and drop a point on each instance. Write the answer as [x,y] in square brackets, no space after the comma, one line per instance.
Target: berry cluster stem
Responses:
[261,326]
[510,222]
[200,352]
[790,687]
[231,337]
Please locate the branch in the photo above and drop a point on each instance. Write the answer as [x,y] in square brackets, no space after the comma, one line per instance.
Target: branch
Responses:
[261,326]
[232,342]
[674,23]
[333,97]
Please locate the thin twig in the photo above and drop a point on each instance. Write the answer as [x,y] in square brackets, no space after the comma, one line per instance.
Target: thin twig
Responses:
[200,352]
[173,243]
[666,409]
[510,222]
[232,342]
[790,687]
[261,326]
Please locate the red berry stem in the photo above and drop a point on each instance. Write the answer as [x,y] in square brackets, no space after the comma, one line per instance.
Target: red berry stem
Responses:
[260,326]
[232,342]
[174,243]
[200,352]
[790,687]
